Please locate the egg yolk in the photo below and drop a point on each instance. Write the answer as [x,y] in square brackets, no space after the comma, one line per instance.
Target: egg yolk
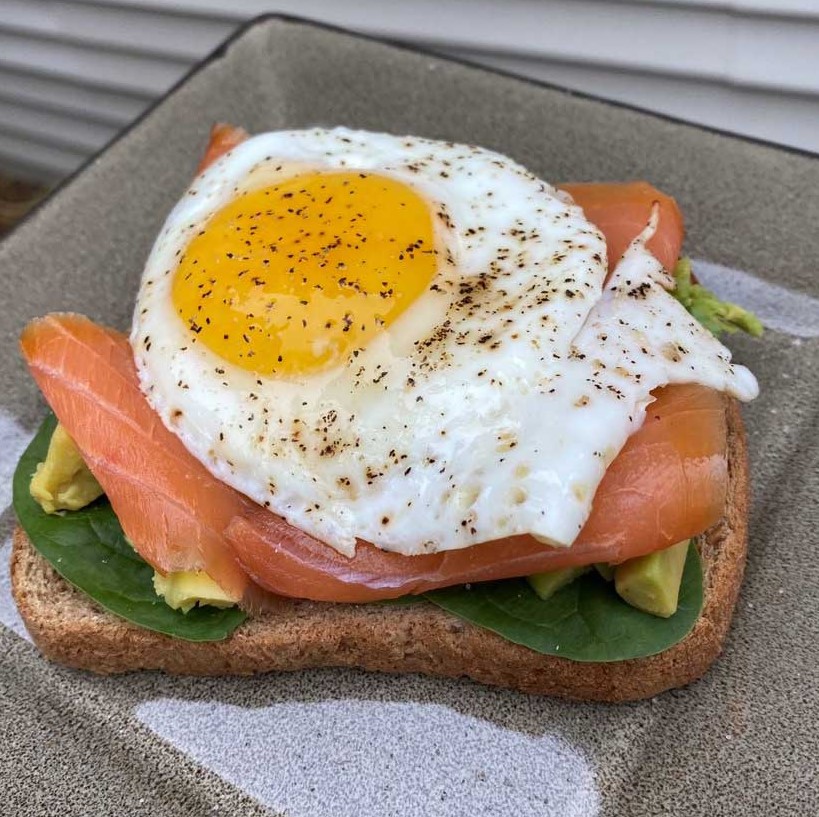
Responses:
[293,278]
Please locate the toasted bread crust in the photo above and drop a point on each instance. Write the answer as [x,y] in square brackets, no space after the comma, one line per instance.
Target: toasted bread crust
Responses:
[71,629]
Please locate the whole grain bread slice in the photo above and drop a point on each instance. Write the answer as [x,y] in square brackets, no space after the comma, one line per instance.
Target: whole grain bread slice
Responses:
[71,629]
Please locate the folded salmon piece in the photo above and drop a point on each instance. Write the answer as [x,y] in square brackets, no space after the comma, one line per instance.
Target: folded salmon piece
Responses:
[667,484]
[620,211]
[170,507]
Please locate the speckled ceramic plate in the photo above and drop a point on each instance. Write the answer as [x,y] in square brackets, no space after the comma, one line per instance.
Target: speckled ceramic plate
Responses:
[742,741]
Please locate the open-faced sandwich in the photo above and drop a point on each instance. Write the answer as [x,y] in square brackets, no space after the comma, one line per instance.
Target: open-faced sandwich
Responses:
[398,404]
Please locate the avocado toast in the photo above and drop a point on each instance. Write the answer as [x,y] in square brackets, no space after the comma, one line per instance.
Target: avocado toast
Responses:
[652,615]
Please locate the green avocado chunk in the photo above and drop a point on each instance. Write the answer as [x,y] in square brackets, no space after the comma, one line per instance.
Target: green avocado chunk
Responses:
[715,315]
[547,584]
[652,583]
[184,589]
[63,482]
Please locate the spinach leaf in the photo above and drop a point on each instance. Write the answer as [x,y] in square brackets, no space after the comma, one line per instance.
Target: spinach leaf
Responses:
[89,550]
[585,621]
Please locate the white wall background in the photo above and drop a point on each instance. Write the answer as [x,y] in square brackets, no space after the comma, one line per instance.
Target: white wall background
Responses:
[73,72]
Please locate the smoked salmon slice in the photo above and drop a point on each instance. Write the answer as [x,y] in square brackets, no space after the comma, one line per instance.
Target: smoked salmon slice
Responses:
[668,483]
[621,211]
[223,138]
[170,507]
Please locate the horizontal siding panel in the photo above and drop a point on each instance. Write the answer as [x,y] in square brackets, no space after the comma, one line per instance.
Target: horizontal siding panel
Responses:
[48,127]
[182,37]
[776,117]
[747,65]
[250,8]
[34,160]
[784,55]
[665,38]
[768,8]
[51,93]
[700,41]
[106,68]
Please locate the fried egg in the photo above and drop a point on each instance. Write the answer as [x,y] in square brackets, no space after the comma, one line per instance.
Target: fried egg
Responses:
[404,341]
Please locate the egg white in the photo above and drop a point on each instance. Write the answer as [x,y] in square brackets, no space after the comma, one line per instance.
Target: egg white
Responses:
[470,418]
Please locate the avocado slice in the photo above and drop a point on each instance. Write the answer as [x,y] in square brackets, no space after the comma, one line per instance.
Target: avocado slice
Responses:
[185,589]
[652,583]
[547,584]
[63,482]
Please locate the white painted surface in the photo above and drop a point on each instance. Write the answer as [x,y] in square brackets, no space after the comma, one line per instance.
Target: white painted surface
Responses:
[74,71]
[13,441]
[431,759]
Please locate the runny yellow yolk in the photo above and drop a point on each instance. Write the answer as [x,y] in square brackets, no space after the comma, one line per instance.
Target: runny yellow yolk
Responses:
[291,279]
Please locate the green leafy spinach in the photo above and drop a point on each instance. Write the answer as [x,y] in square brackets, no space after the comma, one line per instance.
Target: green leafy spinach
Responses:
[89,550]
[585,621]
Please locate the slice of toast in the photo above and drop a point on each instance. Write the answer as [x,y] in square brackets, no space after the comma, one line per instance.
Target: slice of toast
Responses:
[71,629]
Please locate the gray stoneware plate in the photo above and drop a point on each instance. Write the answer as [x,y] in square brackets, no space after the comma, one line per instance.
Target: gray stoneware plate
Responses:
[742,741]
